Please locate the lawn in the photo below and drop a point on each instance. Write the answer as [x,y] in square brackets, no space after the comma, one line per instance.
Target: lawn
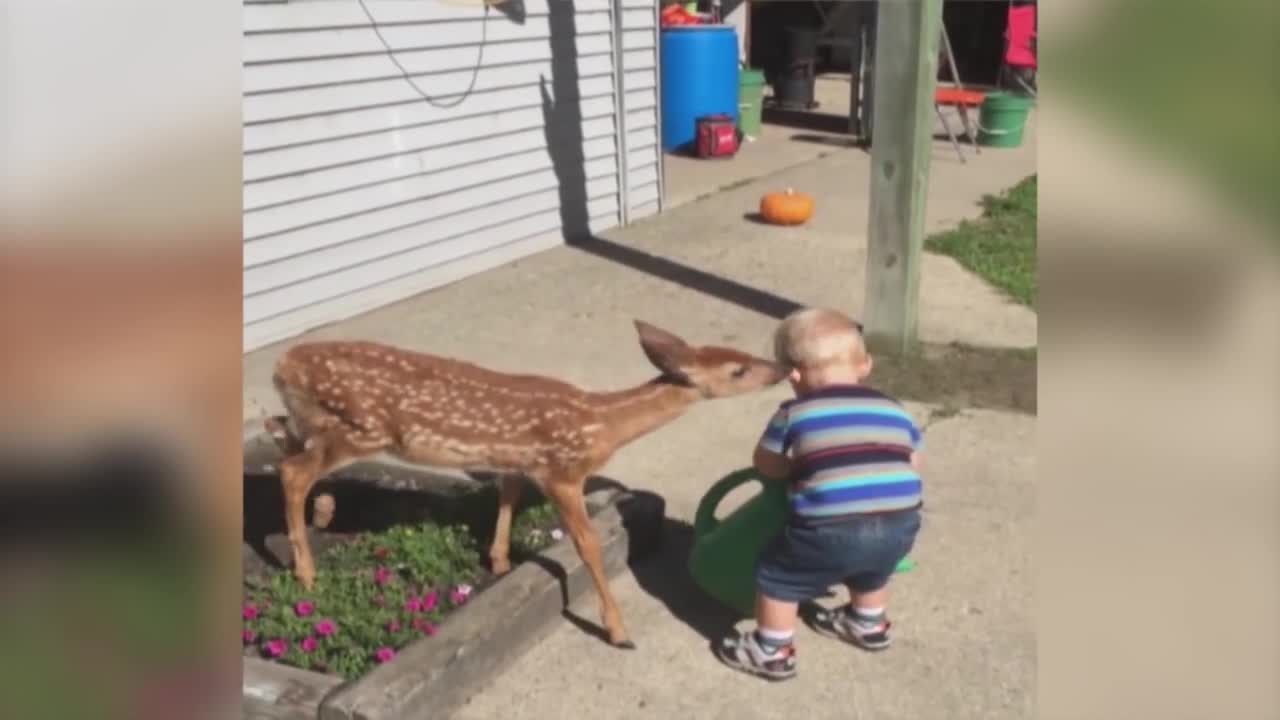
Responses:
[1000,246]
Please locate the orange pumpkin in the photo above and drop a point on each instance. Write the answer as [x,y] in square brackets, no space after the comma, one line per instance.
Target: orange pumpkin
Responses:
[786,208]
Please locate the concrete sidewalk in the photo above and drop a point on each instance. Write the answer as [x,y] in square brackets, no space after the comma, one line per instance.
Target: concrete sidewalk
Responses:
[965,646]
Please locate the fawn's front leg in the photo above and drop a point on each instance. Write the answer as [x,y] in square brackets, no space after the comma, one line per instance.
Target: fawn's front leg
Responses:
[569,500]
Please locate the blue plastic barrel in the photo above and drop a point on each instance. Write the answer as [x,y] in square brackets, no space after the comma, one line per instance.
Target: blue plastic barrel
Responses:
[699,77]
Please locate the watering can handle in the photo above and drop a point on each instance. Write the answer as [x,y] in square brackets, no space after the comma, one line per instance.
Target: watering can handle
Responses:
[704,520]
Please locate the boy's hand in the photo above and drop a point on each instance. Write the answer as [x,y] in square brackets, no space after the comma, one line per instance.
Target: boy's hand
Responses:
[916,462]
[771,465]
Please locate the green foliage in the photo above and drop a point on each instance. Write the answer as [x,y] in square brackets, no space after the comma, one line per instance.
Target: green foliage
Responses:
[377,592]
[1001,245]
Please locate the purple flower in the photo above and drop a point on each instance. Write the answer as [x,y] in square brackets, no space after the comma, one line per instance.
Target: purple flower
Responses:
[248,636]
[393,626]
[428,629]
[326,627]
[249,611]
[430,600]
[309,644]
[304,608]
[384,654]
[276,648]
[382,576]
[413,605]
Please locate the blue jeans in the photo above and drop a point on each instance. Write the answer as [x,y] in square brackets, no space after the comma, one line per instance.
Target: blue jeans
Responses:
[804,562]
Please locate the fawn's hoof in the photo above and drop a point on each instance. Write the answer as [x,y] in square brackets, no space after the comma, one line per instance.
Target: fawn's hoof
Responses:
[625,645]
[322,510]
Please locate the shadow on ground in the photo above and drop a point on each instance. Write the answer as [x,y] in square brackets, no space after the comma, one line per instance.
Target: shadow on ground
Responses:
[830,141]
[366,505]
[810,120]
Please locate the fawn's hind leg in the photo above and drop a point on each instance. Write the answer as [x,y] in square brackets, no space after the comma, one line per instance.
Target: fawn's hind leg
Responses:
[321,455]
[278,428]
[509,487]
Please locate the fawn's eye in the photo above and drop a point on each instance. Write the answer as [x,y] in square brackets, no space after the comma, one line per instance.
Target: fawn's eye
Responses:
[739,372]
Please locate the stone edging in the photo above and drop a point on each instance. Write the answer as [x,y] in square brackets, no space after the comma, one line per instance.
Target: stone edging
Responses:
[433,677]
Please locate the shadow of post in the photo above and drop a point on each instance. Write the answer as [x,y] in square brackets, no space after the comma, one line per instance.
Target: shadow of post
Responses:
[562,128]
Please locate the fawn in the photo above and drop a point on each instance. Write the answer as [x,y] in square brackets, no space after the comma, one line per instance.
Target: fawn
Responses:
[351,400]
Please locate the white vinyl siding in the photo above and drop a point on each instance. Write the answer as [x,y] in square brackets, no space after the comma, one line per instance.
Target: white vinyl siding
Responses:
[640,103]
[359,192]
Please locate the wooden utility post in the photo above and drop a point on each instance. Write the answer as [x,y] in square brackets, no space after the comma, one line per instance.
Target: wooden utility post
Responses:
[906,66]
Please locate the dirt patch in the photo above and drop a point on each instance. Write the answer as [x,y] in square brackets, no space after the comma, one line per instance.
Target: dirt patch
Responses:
[956,376]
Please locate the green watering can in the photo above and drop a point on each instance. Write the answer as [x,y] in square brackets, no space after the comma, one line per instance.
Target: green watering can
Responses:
[723,561]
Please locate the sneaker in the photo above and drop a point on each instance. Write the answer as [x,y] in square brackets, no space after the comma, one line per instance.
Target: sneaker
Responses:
[839,623]
[743,652]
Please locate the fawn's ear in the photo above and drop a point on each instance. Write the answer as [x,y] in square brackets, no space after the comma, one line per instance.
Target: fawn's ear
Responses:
[665,350]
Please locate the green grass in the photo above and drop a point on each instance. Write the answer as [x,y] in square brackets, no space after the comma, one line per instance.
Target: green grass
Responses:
[1196,84]
[1001,245]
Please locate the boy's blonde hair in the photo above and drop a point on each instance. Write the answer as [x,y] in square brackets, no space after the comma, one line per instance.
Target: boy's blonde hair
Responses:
[818,337]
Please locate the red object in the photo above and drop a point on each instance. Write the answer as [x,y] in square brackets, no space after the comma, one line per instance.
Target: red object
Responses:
[717,136]
[676,15]
[957,96]
[1021,36]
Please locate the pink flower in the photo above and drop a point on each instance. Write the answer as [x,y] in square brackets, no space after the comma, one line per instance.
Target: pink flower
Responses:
[277,647]
[460,594]
[309,644]
[430,600]
[428,629]
[326,627]
[381,553]
[413,605]
[248,636]
[393,626]
[304,608]
[382,576]
[249,611]
[384,654]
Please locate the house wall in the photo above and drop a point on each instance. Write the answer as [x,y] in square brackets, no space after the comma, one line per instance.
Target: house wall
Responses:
[359,191]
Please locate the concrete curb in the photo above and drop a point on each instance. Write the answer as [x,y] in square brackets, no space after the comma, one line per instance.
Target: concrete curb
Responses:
[433,677]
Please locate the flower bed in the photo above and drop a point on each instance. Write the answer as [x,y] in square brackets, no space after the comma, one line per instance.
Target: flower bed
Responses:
[376,592]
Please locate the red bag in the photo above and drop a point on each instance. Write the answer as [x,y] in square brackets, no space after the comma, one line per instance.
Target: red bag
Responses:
[717,136]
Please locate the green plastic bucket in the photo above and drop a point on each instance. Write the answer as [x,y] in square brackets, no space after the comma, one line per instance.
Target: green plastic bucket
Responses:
[1002,118]
[750,101]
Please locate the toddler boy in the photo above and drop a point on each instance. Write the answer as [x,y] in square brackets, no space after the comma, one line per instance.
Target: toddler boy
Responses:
[850,456]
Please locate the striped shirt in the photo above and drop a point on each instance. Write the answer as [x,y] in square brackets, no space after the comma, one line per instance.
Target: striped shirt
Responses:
[850,449]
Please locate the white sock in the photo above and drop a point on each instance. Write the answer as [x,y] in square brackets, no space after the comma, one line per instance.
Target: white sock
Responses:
[867,618]
[773,640]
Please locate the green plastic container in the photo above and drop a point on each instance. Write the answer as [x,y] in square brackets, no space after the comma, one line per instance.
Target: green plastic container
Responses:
[1002,119]
[750,101]
[723,561]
